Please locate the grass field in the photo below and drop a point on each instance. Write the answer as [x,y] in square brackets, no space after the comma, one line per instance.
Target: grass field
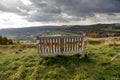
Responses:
[20,62]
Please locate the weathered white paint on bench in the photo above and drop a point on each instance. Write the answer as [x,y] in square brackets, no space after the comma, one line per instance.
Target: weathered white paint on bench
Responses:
[60,44]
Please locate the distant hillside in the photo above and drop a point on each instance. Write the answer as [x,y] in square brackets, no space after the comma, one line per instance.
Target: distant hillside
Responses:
[98,30]
[36,29]
[96,26]
[30,32]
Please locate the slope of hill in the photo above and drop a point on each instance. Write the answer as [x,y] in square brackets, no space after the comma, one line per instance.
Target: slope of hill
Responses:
[27,31]
[96,26]
[20,62]
[30,32]
[98,30]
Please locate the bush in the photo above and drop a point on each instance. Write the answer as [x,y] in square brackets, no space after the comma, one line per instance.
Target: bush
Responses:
[94,42]
[5,41]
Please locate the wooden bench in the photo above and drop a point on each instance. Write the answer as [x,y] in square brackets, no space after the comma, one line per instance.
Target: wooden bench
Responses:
[61,44]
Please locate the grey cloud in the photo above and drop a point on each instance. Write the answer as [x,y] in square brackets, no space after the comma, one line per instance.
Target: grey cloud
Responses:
[76,8]
[46,6]
[53,10]
[89,7]
[44,17]
[14,6]
[39,3]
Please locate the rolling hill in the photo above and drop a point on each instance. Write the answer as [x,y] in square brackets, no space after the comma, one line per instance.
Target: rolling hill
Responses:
[31,32]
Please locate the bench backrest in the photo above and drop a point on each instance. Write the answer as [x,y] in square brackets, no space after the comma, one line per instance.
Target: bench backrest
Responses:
[60,44]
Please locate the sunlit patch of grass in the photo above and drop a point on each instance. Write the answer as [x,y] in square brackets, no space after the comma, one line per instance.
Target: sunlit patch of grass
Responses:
[20,74]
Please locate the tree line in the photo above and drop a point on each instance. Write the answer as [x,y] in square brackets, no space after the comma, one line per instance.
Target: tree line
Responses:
[6,41]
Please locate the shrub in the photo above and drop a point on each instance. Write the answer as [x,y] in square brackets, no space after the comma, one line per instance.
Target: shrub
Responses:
[94,42]
[5,41]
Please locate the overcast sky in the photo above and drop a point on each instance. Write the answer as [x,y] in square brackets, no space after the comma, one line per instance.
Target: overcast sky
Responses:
[24,13]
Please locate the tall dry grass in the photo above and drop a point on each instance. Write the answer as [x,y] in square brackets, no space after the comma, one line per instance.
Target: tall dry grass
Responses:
[108,40]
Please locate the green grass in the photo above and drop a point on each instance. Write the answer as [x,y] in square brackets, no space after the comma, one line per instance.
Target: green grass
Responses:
[21,63]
